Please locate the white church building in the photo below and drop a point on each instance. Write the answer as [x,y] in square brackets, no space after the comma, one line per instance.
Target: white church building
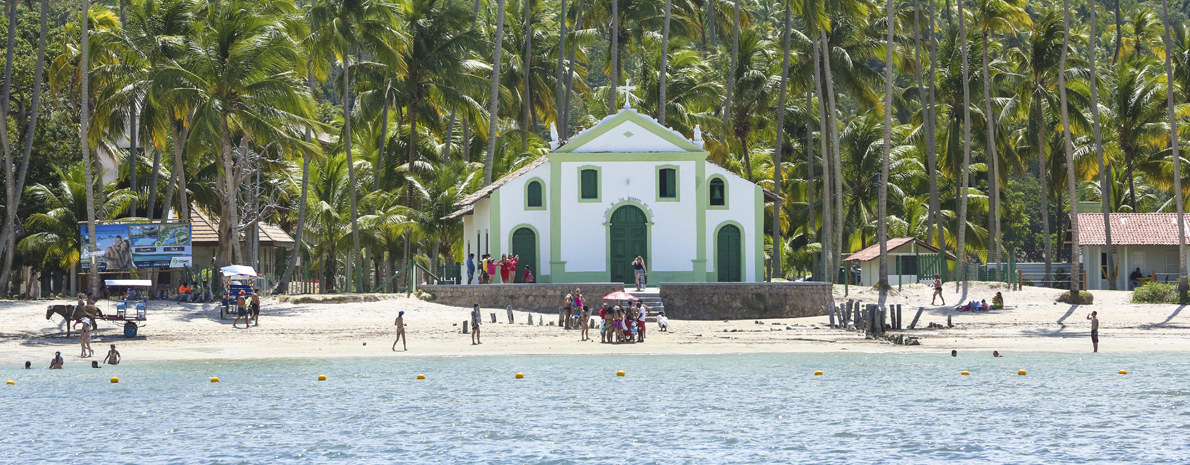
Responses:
[624,188]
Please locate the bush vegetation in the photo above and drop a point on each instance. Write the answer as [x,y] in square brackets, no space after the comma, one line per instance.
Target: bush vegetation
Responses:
[1160,293]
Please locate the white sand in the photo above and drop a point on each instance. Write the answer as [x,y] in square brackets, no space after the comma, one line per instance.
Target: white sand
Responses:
[1033,322]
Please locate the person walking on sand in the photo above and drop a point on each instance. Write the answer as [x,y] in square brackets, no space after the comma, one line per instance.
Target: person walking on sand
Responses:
[241,310]
[113,356]
[254,305]
[639,271]
[400,324]
[475,325]
[85,338]
[1094,330]
[937,291]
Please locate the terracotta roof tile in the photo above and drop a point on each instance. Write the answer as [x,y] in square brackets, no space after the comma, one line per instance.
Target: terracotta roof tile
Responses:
[1130,229]
[203,232]
[488,189]
[873,251]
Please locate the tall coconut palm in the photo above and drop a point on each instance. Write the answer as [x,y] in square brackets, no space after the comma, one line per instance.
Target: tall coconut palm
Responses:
[527,65]
[15,181]
[84,137]
[779,143]
[54,230]
[931,123]
[494,96]
[1071,181]
[882,215]
[1105,195]
[240,78]
[731,71]
[1178,194]
[347,28]
[663,68]
[960,247]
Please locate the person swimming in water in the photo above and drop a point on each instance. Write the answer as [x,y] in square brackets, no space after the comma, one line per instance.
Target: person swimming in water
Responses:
[56,363]
[113,356]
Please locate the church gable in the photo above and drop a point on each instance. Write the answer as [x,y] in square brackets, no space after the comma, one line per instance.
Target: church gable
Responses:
[629,132]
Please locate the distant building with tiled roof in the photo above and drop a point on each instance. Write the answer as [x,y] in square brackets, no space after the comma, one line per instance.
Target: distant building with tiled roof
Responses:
[904,254]
[1144,241]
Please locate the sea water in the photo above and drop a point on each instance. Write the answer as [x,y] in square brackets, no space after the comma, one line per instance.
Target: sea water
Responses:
[768,408]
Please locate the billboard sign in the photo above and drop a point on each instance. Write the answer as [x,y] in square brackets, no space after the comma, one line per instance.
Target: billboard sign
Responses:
[133,246]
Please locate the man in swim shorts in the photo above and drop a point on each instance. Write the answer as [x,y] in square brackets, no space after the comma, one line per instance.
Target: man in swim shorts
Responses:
[241,310]
[254,305]
[400,324]
[1094,330]
[475,317]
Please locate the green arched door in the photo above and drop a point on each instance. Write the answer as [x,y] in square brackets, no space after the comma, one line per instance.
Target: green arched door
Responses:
[728,258]
[629,239]
[524,244]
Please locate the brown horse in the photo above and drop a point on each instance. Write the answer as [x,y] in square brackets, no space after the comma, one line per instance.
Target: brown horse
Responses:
[72,313]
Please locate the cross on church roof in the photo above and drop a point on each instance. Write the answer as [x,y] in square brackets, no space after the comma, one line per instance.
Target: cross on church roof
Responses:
[626,88]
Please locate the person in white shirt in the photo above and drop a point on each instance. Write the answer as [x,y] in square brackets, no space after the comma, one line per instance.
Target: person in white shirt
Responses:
[641,312]
[662,322]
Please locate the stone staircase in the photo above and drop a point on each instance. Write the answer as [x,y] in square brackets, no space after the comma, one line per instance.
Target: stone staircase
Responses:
[652,299]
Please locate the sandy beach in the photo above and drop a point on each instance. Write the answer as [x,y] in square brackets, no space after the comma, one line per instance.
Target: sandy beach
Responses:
[1033,321]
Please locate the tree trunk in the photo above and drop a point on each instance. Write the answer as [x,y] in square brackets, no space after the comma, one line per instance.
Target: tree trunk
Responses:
[1071,180]
[16,185]
[414,102]
[153,184]
[881,216]
[779,147]
[1043,176]
[836,155]
[564,128]
[283,285]
[735,53]
[493,105]
[356,277]
[931,135]
[826,239]
[615,33]
[663,69]
[1178,194]
[960,251]
[10,14]
[527,68]
[921,91]
[1105,191]
[84,125]
[810,229]
[993,161]
[180,168]
[559,79]
[1119,35]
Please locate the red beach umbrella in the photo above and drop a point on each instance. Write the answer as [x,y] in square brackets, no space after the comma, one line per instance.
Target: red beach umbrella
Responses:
[620,295]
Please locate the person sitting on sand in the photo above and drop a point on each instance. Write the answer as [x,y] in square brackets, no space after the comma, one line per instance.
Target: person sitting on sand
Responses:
[56,363]
[400,324]
[113,356]
[996,354]
[998,301]
[983,305]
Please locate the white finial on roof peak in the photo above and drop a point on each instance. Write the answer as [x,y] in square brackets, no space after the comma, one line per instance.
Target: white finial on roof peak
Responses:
[697,134]
[554,137]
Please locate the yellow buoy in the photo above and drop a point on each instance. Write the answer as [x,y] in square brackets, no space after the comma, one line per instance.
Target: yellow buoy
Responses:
[964,373]
[520,376]
[620,373]
[421,376]
[322,377]
[10,382]
[818,373]
[214,379]
[1020,372]
[1123,372]
[115,380]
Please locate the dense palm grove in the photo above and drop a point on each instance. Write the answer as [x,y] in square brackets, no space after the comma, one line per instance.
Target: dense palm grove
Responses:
[357,124]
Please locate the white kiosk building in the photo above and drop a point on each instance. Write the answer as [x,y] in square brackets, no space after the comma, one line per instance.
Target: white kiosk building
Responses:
[624,188]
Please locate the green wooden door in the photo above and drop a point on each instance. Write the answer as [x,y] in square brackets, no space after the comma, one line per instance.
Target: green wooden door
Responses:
[629,239]
[524,244]
[728,259]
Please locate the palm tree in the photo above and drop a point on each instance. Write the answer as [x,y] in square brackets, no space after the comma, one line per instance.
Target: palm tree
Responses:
[1072,182]
[664,68]
[1105,196]
[778,144]
[960,248]
[731,72]
[882,216]
[494,97]
[54,230]
[1178,194]
[239,76]
[346,28]
[15,182]
[931,122]
[84,139]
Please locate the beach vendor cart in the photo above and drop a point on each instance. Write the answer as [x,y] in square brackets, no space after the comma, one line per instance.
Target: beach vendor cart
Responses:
[131,311]
[236,278]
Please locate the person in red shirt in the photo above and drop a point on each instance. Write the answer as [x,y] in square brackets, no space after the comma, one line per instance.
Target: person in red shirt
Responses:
[513,261]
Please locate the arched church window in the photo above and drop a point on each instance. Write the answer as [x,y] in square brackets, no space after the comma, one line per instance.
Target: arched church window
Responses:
[718,193]
[534,194]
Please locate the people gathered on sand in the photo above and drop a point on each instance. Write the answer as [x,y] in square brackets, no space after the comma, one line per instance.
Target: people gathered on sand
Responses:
[622,325]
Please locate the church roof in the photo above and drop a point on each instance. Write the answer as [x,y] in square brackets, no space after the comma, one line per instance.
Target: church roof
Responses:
[488,189]
[627,131]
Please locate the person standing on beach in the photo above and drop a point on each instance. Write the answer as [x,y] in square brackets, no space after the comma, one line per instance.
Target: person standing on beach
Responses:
[583,322]
[85,338]
[475,325]
[400,324]
[639,271]
[937,291]
[470,267]
[568,308]
[491,269]
[1094,317]
[241,310]
[254,305]
[641,314]
[113,356]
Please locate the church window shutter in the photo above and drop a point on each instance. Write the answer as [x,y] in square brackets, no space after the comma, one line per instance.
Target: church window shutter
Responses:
[534,194]
[589,183]
[668,183]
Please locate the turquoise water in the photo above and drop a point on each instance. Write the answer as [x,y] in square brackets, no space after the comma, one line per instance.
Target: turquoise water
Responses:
[1070,408]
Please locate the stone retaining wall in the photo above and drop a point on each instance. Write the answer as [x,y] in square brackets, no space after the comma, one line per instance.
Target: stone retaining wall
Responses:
[541,298]
[745,301]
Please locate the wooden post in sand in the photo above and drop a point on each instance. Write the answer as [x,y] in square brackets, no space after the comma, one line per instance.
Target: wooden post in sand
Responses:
[530,317]
[561,317]
[1020,279]
[915,317]
[493,317]
[509,314]
[900,322]
[465,323]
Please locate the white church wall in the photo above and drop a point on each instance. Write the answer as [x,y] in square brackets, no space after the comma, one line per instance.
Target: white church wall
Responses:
[741,205]
[584,235]
[513,215]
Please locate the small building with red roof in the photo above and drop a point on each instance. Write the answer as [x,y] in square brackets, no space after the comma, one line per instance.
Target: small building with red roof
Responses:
[904,254]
